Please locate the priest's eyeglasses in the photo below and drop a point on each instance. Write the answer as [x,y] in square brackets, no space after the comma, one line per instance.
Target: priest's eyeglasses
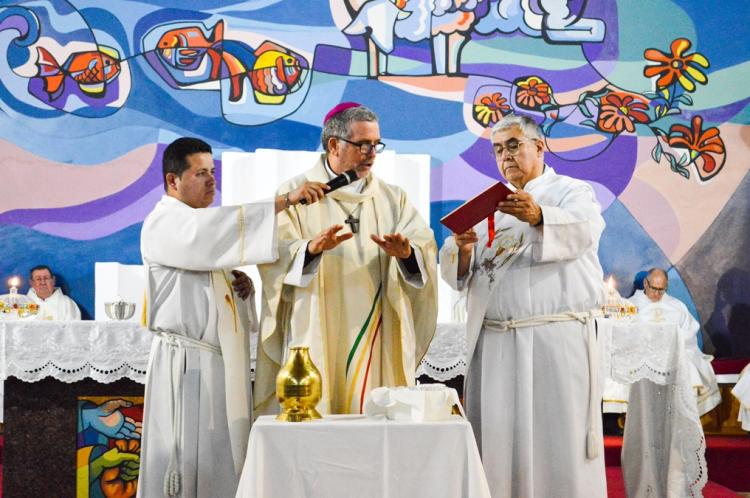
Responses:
[513,147]
[366,147]
[660,290]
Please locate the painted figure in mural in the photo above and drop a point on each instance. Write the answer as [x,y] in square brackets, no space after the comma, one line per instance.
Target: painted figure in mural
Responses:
[52,303]
[655,305]
[108,447]
[368,308]
[446,23]
[532,375]
[198,405]
[193,57]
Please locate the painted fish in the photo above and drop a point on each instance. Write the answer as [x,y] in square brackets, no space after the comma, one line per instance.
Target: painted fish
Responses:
[92,70]
[274,72]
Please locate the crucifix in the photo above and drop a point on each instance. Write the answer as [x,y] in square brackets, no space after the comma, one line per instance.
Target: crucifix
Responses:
[352,222]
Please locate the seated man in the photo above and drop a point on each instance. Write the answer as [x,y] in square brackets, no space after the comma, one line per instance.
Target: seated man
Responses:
[655,305]
[53,304]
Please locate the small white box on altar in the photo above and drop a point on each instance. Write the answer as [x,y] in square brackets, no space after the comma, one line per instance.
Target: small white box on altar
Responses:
[422,403]
[115,281]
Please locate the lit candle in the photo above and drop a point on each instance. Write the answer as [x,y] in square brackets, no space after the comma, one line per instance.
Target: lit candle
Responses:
[13,284]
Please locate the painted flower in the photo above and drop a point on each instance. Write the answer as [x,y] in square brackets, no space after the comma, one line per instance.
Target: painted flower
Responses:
[704,146]
[533,92]
[491,108]
[620,111]
[677,66]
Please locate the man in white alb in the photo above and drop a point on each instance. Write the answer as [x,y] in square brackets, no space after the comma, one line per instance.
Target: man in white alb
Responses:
[367,309]
[655,305]
[198,405]
[531,388]
[53,304]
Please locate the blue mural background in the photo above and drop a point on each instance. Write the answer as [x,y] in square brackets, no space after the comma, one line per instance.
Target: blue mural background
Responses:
[647,100]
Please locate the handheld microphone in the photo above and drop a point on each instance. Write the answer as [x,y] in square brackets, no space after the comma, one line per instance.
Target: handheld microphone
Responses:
[343,179]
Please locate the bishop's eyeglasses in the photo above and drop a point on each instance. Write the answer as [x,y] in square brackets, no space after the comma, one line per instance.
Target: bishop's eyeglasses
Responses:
[366,147]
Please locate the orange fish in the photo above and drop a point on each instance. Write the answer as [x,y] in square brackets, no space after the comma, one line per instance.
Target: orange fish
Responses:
[92,70]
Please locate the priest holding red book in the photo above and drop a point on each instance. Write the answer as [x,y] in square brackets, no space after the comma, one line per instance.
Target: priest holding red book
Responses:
[533,278]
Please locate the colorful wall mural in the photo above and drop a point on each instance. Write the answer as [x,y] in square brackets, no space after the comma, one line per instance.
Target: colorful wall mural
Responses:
[646,100]
[108,446]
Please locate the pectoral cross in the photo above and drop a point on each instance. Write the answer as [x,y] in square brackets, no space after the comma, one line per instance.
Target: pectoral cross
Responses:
[352,222]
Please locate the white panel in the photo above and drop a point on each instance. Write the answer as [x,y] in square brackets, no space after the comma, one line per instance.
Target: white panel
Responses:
[114,281]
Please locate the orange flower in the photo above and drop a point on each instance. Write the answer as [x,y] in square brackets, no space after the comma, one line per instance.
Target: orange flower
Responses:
[619,111]
[704,146]
[533,92]
[676,66]
[491,108]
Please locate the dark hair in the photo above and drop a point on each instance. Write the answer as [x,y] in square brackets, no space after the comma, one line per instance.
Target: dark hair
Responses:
[176,153]
[340,125]
[40,267]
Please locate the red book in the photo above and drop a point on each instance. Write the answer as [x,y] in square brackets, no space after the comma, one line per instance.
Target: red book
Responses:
[475,210]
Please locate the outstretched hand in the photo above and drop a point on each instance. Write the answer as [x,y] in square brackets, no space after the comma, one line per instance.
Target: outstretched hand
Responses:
[327,240]
[394,244]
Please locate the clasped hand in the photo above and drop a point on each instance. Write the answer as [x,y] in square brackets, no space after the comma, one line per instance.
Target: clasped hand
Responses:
[522,206]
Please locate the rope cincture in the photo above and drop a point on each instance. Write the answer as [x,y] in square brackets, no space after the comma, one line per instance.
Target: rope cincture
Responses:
[593,439]
[176,344]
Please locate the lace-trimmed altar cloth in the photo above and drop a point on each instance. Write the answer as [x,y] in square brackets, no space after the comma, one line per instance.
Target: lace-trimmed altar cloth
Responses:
[664,446]
[446,357]
[72,351]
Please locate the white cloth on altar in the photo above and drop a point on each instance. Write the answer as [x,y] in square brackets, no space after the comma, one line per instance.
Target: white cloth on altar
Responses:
[57,306]
[181,246]
[741,391]
[343,456]
[527,390]
[702,376]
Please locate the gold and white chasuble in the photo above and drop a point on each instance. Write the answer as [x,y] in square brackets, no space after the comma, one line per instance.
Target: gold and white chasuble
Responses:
[367,324]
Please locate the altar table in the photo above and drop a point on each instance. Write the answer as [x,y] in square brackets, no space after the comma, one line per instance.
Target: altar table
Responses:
[352,455]
[663,452]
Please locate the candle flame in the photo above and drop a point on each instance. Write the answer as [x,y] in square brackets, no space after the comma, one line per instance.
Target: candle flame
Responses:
[611,283]
[14,281]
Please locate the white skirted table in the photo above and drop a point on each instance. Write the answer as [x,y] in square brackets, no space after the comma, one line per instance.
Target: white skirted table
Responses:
[664,447]
[341,456]
[32,350]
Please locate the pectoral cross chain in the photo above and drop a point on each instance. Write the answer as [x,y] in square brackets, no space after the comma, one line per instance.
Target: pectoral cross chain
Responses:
[352,222]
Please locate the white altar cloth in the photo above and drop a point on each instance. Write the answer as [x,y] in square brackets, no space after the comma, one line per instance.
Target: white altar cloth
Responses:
[71,351]
[664,447]
[352,455]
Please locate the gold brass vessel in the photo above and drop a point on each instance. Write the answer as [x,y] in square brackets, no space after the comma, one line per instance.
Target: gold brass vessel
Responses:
[298,387]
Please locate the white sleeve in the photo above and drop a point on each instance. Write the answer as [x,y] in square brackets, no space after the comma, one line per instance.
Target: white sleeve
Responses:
[416,280]
[300,275]
[210,238]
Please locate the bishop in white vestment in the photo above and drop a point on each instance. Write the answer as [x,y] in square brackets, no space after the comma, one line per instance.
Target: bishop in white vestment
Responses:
[531,390]
[367,308]
[198,406]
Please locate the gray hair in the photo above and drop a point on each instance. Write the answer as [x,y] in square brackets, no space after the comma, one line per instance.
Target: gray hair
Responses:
[340,125]
[524,123]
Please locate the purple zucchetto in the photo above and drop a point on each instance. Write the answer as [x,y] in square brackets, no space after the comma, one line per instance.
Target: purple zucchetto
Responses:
[339,108]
